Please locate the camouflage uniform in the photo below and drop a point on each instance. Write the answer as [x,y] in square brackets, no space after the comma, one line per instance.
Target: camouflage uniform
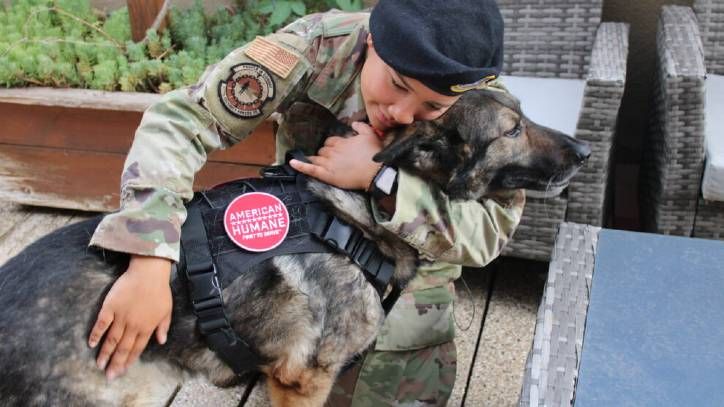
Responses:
[317,58]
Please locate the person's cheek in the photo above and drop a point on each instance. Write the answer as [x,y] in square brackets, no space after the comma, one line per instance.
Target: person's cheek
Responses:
[431,115]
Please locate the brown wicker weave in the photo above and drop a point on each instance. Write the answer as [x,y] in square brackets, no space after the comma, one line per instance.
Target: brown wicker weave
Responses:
[565,39]
[690,43]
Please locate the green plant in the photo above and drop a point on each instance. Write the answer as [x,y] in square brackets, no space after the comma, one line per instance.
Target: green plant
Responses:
[279,12]
[66,43]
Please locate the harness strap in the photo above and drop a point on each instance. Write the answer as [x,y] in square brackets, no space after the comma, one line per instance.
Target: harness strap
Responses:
[206,299]
[350,241]
[205,283]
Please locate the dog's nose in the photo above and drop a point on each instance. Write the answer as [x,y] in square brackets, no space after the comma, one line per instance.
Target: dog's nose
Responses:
[582,151]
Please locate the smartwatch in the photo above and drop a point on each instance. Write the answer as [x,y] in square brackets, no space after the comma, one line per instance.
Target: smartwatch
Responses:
[384,183]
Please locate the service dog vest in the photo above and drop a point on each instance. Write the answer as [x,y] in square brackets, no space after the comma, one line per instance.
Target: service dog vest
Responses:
[211,260]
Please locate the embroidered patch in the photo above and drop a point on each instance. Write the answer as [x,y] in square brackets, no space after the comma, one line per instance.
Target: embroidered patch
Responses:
[256,221]
[481,84]
[272,56]
[246,90]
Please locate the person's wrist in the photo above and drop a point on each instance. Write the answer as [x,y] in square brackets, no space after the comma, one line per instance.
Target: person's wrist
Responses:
[150,266]
[370,183]
[384,183]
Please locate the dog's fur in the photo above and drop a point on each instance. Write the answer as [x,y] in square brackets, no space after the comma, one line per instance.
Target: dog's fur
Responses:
[289,307]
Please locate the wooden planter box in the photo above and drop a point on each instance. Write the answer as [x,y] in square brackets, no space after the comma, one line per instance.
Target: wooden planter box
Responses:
[65,148]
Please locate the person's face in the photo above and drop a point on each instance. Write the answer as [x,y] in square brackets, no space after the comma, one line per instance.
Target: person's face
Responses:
[393,100]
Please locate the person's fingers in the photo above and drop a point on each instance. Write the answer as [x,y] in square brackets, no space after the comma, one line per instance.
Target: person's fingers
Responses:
[103,322]
[313,170]
[120,355]
[361,127]
[331,141]
[321,167]
[138,347]
[325,151]
[162,330]
[300,166]
[115,333]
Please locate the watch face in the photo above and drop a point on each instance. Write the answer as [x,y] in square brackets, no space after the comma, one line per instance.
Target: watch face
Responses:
[386,180]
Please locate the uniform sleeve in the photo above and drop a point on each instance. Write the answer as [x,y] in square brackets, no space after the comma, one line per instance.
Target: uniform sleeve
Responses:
[469,233]
[178,133]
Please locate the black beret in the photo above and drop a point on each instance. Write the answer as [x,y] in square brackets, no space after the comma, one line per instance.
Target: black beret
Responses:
[449,45]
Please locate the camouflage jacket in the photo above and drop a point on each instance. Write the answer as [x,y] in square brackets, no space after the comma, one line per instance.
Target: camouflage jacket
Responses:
[317,58]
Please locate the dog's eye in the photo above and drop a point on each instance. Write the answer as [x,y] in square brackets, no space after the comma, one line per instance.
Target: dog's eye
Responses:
[427,147]
[514,132]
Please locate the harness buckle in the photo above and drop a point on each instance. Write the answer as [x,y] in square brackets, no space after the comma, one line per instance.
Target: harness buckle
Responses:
[338,234]
[363,252]
[279,172]
[205,290]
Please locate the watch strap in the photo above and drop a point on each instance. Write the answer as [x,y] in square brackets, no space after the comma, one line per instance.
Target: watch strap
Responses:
[384,183]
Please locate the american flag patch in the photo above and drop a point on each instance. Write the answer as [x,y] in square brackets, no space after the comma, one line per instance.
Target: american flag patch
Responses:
[272,56]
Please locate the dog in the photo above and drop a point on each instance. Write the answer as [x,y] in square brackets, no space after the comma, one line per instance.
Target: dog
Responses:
[288,307]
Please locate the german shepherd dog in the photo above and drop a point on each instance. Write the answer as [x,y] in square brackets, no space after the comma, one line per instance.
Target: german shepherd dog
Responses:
[289,307]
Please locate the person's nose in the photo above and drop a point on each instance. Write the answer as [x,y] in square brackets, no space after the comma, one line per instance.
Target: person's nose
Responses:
[403,111]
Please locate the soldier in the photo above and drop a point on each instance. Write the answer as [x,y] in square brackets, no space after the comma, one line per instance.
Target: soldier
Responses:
[407,60]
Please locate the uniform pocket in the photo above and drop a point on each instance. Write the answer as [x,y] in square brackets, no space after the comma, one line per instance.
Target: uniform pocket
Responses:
[418,320]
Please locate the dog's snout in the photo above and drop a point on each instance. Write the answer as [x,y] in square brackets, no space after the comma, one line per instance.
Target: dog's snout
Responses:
[456,186]
[582,152]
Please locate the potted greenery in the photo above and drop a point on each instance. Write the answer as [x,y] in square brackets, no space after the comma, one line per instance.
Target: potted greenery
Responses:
[73,86]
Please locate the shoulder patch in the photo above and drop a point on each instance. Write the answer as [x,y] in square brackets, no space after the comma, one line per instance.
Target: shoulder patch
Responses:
[272,56]
[246,89]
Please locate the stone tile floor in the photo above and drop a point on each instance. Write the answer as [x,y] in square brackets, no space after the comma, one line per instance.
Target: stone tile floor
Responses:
[495,314]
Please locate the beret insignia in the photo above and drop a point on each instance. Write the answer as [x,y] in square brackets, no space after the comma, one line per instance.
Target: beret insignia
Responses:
[481,84]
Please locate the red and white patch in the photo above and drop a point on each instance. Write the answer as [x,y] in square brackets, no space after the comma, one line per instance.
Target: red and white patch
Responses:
[246,90]
[256,221]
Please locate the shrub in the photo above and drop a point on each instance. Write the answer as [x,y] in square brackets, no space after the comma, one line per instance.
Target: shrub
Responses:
[66,43]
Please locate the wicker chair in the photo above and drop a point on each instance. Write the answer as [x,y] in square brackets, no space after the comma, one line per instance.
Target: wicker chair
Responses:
[565,39]
[690,43]
[709,220]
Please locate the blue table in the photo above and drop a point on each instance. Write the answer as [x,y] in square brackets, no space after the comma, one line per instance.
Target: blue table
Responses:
[629,319]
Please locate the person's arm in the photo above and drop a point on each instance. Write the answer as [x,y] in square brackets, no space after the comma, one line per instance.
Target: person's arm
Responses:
[170,146]
[470,233]
[173,142]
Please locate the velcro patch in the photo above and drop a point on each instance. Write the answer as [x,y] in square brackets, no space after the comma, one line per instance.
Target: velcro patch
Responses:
[272,56]
[256,221]
[246,90]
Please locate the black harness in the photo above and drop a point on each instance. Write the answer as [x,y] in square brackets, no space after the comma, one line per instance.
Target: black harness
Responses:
[210,261]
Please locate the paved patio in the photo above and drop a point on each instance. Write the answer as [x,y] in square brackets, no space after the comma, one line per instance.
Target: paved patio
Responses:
[495,319]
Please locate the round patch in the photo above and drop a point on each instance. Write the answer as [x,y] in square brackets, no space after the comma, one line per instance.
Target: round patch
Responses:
[246,90]
[256,221]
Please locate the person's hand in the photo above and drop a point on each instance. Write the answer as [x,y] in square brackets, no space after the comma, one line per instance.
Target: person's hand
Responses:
[138,304]
[345,162]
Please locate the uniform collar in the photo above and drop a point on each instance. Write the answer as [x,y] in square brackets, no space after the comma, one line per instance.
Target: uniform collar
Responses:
[341,69]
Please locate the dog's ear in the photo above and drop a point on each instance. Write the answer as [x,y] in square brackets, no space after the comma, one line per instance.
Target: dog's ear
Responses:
[401,146]
[310,121]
